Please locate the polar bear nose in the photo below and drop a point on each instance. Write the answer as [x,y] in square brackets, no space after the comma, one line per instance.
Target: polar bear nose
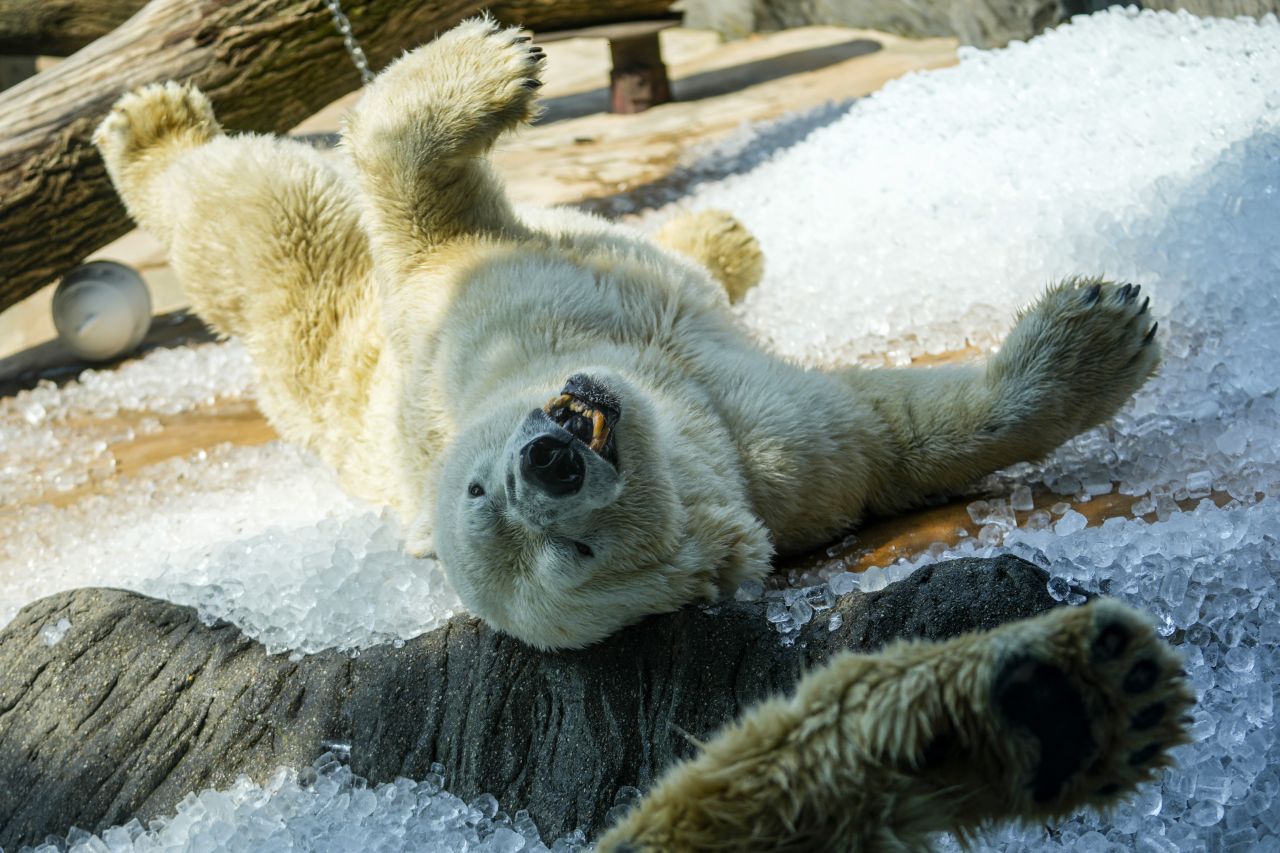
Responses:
[553,464]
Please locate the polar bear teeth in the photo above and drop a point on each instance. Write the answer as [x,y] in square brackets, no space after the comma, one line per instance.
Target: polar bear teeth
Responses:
[564,406]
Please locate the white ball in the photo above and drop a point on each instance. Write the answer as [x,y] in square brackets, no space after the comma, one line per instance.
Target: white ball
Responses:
[101,310]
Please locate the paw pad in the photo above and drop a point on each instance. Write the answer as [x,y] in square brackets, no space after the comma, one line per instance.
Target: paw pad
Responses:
[1102,698]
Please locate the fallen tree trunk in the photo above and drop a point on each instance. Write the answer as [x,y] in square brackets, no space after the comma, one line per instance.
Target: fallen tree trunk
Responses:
[266,64]
[140,703]
[61,27]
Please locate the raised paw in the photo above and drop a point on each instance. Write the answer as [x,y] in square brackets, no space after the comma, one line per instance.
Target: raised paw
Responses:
[1095,701]
[1074,358]
[145,117]
[455,94]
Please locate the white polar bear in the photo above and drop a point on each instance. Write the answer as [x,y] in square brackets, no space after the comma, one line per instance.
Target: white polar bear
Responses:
[566,412]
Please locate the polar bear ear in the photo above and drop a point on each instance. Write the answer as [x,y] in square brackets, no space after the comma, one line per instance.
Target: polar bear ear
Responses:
[736,540]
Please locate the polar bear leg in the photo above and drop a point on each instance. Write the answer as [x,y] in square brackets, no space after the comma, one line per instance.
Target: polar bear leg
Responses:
[261,231]
[420,134]
[1070,363]
[721,243]
[1030,721]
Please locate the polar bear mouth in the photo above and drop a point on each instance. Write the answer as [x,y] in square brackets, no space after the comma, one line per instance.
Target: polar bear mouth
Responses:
[589,412]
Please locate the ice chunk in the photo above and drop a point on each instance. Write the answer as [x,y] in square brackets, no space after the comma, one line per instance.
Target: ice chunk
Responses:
[53,633]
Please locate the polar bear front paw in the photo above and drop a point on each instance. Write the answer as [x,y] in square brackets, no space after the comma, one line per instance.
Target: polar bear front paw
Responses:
[1100,699]
[1074,359]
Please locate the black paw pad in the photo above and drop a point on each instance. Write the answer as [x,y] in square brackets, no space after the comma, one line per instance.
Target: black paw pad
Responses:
[1040,698]
[1110,642]
[1148,717]
[1142,677]
[1144,755]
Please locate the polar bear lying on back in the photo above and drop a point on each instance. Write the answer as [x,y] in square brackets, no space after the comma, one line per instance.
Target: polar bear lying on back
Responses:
[565,411]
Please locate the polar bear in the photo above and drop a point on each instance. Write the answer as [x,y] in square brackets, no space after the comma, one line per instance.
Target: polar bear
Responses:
[566,412]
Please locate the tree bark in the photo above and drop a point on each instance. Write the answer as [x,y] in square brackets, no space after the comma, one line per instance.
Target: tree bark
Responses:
[61,27]
[266,64]
[141,703]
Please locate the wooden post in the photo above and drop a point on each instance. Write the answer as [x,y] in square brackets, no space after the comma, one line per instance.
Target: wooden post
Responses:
[638,80]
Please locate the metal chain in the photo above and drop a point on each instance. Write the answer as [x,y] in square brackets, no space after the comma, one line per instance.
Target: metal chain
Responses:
[341,21]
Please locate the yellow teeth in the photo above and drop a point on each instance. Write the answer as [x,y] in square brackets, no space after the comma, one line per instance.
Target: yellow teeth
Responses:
[599,432]
[599,427]
[558,403]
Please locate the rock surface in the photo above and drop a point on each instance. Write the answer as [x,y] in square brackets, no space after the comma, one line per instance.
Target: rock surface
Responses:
[140,703]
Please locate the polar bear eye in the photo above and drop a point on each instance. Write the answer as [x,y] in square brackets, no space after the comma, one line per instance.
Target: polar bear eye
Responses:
[584,549]
[475,490]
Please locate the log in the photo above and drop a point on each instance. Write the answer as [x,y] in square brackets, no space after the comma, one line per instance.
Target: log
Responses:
[61,27]
[141,703]
[266,64]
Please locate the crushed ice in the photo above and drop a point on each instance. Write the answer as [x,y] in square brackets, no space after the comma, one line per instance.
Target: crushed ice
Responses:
[326,807]
[1141,145]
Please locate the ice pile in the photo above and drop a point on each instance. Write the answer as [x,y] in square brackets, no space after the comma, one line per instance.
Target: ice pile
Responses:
[327,808]
[57,439]
[919,221]
[260,536]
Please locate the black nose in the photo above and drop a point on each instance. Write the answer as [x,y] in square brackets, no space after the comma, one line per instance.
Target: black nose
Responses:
[553,464]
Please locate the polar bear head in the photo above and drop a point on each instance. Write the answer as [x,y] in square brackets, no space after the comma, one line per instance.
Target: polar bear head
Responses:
[563,521]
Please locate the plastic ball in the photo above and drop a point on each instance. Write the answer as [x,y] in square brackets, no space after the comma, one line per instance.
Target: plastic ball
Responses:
[102,310]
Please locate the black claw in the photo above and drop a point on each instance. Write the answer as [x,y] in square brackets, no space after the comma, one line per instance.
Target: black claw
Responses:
[1142,677]
[1148,717]
[1091,295]
[1123,295]
[1144,755]
[1109,790]
[1145,303]
[1110,642]
[520,39]
[1137,288]
[1187,720]
[536,51]
[1151,335]
[533,84]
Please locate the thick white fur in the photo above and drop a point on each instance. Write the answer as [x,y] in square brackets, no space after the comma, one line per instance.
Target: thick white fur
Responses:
[404,319]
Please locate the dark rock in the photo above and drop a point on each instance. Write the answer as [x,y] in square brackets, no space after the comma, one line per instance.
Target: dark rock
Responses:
[141,703]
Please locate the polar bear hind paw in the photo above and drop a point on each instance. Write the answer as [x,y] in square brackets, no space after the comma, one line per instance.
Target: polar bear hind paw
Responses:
[463,90]
[1104,700]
